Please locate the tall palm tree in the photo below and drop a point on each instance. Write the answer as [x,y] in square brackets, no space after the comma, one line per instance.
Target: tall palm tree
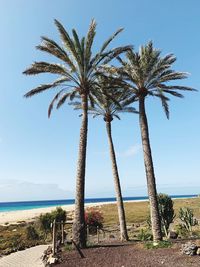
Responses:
[76,76]
[109,108]
[147,73]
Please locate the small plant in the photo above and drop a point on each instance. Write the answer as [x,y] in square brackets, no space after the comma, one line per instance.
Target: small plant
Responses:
[45,221]
[93,218]
[59,215]
[166,211]
[186,215]
[31,233]
[68,247]
[161,244]
[181,230]
[144,235]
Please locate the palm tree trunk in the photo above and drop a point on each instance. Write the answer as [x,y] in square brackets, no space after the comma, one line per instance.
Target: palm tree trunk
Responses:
[148,162]
[120,206]
[79,232]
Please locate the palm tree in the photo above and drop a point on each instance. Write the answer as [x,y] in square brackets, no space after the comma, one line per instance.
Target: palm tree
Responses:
[77,74]
[109,106]
[147,73]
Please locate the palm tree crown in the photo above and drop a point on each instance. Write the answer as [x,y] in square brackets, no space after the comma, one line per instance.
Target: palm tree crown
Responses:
[77,73]
[109,100]
[148,74]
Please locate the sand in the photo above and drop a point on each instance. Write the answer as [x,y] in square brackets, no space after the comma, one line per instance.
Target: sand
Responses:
[29,215]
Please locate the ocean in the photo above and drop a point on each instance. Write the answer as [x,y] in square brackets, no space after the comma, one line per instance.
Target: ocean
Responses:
[27,205]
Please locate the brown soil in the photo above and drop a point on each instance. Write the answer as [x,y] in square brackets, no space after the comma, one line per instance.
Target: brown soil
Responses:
[128,256]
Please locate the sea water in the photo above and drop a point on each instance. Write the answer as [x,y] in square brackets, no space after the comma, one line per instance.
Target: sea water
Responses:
[27,205]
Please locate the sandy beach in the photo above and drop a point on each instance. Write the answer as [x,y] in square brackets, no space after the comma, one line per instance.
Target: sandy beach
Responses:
[28,215]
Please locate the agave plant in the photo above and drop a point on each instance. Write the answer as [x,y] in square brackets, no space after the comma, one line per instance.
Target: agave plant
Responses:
[109,105]
[147,73]
[76,76]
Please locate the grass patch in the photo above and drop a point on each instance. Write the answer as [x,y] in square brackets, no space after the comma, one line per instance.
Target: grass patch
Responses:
[137,212]
[161,244]
[68,247]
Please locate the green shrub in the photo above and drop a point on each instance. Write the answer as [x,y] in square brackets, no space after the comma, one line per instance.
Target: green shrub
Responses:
[166,211]
[160,244]
[144,235]
[47,219]
[186,215]
[181,230]
[59,215]
[31,233]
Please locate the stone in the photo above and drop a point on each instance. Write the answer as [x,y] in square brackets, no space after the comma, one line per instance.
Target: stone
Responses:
[172,235]
[198,251]
[111,236]
[52,260]
[189,249]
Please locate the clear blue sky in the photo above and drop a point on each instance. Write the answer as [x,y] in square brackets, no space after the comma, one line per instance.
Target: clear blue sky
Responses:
[38,155]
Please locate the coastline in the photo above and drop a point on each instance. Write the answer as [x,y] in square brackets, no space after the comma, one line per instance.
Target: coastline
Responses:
[30,214]
[12,217]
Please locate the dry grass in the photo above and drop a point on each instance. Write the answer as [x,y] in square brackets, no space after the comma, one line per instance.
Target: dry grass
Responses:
[137,212]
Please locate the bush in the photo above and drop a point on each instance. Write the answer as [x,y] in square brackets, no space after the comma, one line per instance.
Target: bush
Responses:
[59,215]
[93,218]
[31,233]
[45,221]
[144,235]
[181,230]
[186,215]
[166,211]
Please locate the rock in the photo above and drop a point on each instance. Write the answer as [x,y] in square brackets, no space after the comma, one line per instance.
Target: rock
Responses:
[189,249]
[198,251]
[52,260]
[48,250]
[46,254]
[172,235]
[111,236]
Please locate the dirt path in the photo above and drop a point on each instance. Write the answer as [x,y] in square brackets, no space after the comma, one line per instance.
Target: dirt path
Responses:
[129,256]
[25,258]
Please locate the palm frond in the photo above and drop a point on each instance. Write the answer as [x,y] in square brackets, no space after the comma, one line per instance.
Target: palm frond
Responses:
[174,93]
[109,40]
[43,87]
[164,101]
[89,41]
[62,100]
[177,87]
[116,116]
[128,110]
[53,101]
[116,52]
[68,43]
[44,67]
[54,49]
